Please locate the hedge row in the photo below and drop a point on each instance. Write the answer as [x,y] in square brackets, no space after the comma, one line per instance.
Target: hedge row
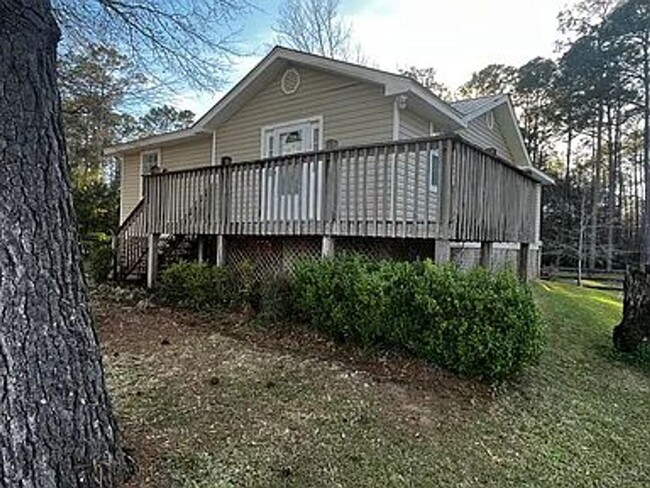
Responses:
[476,323]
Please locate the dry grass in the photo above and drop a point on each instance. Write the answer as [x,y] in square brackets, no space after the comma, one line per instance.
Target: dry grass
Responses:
[226,402]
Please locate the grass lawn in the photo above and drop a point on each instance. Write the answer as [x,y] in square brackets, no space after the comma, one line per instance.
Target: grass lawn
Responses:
[226,403]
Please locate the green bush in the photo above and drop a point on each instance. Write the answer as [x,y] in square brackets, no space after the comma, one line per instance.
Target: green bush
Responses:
[99,256]
[476,323]
[197,286]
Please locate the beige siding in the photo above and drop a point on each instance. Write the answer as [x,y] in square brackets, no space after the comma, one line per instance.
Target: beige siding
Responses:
[129,184]
[378,195]
[353,113]
[480,134]
[193,153]
[412,126]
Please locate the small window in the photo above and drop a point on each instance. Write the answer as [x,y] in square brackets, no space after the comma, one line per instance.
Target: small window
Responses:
[489,120]
[434,169]
[149,161]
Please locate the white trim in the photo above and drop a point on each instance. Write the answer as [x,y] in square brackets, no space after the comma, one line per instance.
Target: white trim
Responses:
[153,141]
[393,85]
[158,153]
[213,155]
[396,119]
[283,81]
[122,181]
[289,123]
[431,168]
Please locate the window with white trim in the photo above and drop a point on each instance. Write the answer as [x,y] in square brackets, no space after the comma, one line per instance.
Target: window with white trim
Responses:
[434,169]
[149,161]
[291,138]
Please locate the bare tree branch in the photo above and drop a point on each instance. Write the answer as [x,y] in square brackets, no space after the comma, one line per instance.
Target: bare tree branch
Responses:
[179,43]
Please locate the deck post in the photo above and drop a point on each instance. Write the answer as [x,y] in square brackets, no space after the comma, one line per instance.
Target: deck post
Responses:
[220,255]
[201,250]
[327,249]
[442,250]
[486,254]
[152,259]
[523,262]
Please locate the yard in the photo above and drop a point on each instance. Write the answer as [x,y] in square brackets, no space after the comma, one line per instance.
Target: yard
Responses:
[228,402]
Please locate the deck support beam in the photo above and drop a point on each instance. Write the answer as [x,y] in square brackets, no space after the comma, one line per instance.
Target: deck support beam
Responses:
[220,254]
[486,254]
[152,259]
[523,262]
[327,248]
[442,251]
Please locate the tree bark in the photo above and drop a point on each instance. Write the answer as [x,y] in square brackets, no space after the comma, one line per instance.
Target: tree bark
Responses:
[646,148]
[595,200]
[56,427]
[634,329]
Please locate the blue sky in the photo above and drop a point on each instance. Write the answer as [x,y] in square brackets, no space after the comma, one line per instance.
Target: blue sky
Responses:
[456,37]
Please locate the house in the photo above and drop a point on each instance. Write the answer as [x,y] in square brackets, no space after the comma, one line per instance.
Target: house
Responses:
[309,156]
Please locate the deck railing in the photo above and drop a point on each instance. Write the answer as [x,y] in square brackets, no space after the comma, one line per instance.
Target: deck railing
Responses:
[434,187]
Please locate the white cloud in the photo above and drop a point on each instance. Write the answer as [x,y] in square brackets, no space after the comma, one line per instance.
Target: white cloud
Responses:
[456,37]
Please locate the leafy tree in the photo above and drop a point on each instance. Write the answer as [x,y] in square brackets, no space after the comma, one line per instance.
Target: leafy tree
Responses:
[96,84]
[159,120]
[494,79]
[629,24]
[533,97]
[427,77]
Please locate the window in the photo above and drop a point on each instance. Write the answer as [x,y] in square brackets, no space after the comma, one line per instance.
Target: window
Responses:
[434,169]
[292,137]
[149,160]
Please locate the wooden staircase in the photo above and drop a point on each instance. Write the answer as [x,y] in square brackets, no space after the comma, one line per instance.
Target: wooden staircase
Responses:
[132,248]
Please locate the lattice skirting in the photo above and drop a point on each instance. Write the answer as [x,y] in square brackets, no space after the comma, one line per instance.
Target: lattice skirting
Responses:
[268,257]
[274,256]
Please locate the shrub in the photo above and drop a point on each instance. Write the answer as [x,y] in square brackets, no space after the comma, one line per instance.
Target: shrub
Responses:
[476,323]
[99,256]
[197,286]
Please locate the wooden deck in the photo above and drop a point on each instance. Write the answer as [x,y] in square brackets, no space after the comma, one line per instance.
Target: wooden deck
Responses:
[379,190]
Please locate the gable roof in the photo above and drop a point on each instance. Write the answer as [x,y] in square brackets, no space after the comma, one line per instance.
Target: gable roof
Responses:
[280,57]
[421,99]
[479,105]
[504,113]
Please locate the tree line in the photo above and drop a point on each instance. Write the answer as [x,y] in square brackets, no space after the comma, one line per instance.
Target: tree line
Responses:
[584,116]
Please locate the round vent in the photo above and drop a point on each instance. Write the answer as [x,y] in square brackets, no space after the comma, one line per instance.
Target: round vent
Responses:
[290,81]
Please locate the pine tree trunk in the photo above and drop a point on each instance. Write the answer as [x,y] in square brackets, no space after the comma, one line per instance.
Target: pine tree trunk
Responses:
[646,148]
[56,427]
[611,190]
[595,199]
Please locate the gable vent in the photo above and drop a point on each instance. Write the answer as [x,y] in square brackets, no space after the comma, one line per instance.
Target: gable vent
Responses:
[290,81]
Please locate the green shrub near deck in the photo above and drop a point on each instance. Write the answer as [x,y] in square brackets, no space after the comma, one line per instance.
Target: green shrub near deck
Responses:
[476,323]
[197,286]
